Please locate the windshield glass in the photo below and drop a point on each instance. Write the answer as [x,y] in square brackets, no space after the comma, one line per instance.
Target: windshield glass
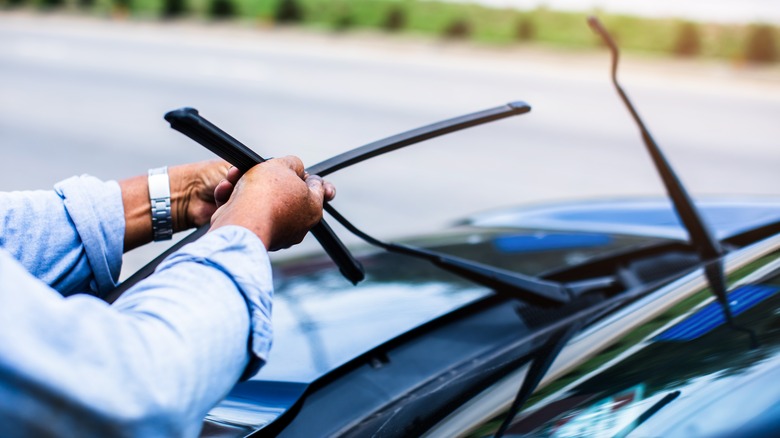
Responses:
[321,321]
[686,360]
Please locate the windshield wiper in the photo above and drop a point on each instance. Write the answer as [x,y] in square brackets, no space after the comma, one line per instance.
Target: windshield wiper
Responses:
[702,239]
[529,289]
[331,165]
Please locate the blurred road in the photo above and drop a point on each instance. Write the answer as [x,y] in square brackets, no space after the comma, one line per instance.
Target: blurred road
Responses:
[83,95]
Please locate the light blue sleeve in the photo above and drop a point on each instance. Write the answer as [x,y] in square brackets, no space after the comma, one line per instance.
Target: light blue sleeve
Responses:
[153,363]
[71,238]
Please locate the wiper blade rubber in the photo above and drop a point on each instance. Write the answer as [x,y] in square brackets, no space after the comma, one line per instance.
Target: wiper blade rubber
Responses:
[418,135]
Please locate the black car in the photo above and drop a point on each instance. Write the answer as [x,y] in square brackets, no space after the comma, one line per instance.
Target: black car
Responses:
[415,350]
[642,317]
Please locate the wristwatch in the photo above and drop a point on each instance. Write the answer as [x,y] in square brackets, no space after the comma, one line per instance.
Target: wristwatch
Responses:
[160,197]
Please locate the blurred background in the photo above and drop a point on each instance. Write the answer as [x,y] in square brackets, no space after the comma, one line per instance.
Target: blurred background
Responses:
[84,85]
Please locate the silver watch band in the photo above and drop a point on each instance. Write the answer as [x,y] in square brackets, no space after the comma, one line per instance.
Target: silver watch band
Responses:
[160,197]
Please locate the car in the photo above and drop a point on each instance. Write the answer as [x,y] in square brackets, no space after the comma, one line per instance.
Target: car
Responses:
[617,317]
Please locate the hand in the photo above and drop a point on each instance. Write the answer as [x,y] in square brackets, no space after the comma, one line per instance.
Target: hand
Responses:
[192,192]
[192,200]
[276,200]
[225,187]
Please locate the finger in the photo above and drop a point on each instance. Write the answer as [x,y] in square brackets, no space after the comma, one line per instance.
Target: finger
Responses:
[316,187]
[295,164]
[233,175]
[222,192]
[330,190]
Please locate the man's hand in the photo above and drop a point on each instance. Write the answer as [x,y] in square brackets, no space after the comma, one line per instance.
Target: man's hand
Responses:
[192,192]
[276,200]
[192,199]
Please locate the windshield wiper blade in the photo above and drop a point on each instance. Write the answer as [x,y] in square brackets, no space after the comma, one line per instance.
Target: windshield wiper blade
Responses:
[702,238]
[417,135]
[338,162]
[513,284]
[190,123]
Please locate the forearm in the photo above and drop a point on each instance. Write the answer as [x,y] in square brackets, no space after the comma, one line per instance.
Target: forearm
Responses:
[155,362]
[143,370]
[71,237]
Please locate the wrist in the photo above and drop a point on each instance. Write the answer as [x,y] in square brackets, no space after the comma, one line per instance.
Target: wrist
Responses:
[182,187]
[257,225]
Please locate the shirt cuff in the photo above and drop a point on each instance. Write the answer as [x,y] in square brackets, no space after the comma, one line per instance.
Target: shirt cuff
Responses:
[241,255]
[96,209]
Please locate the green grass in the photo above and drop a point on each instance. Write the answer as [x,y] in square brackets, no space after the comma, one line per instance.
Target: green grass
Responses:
[480,24]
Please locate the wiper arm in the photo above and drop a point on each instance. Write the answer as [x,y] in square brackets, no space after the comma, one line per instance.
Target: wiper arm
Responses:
[413,136]
[529,289]
[702,239]
[541,363]
[714,272]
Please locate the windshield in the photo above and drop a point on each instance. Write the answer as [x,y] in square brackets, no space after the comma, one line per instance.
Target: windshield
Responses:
[684,361]
[322,322]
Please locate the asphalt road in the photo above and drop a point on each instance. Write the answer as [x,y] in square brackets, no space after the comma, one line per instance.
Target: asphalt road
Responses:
[87,96]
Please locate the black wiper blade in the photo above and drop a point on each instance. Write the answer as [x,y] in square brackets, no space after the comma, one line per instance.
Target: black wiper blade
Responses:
[418,135]
[513,284]
[193,125]
[331,165]
[702,239]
